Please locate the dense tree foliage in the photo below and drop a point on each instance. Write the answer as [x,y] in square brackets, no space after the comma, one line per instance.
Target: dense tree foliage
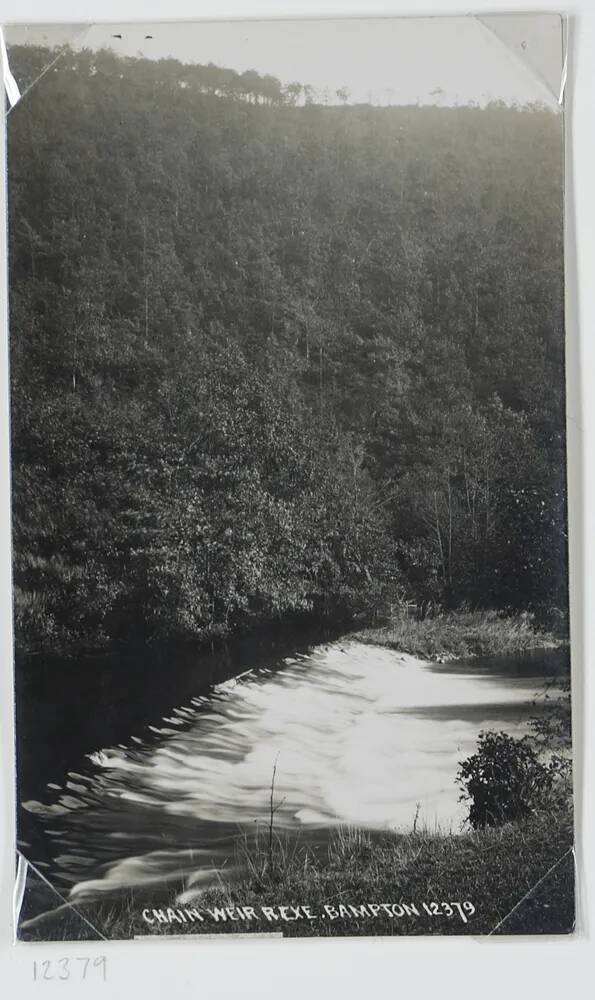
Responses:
[270,356]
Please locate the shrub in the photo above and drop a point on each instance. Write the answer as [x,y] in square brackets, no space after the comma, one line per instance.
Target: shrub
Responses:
[504,780]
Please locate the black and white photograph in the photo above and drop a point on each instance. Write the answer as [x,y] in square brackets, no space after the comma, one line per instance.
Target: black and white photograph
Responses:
[289,489]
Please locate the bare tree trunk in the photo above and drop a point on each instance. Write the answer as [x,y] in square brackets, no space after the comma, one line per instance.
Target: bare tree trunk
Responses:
[476,310]
[439,537]
[146,283]
[449,527]
[321,375]
[74,357]
[487,514]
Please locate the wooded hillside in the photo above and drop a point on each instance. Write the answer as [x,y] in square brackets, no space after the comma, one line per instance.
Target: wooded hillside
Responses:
[272,358]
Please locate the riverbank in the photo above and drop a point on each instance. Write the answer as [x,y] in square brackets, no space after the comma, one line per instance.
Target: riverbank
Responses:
[449,636]
[461,634]
[514,879]
[252,629]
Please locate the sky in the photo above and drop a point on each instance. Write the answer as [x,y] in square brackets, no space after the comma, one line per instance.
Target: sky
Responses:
[431,60]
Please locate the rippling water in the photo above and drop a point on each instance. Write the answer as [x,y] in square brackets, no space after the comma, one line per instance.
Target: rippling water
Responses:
[360,735]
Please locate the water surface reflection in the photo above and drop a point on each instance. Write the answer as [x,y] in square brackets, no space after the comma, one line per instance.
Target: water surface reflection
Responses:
[361,735]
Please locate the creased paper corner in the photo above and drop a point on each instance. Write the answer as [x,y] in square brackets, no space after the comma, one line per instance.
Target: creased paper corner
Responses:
[10,85]
[56,38]
[538,43]
[23,869]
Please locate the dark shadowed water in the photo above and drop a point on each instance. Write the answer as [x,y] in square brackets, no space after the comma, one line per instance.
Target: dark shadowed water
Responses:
[360,736]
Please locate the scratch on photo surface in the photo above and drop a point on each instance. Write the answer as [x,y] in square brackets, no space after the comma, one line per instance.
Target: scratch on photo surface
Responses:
[532,890]
[209,937]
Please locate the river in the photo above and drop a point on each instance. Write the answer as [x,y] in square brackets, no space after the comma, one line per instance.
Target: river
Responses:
[358,735]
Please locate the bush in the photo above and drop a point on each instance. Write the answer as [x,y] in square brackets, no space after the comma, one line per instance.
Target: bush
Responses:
[504,780]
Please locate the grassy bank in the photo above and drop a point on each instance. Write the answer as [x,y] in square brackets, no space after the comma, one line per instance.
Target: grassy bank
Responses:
[461,634]
[492,869]
[518,878]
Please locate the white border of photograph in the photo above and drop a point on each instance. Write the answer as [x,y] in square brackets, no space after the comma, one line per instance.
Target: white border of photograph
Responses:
[346,968]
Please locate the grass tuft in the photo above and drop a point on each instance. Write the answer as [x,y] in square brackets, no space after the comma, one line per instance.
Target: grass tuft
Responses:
[460,634]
